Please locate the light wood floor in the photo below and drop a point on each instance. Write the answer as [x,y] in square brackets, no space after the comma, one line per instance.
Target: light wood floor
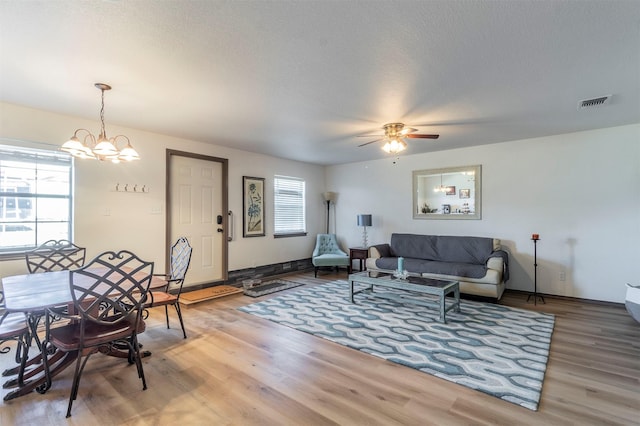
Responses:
[237,369]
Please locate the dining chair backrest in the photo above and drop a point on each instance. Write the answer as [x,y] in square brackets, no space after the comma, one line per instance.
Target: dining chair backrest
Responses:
[180,259]
[111,288]
[55,256]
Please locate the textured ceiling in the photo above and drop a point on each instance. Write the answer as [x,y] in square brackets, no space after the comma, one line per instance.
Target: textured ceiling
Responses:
[302,79]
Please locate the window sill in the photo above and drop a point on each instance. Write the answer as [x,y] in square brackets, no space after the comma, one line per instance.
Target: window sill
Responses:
[12,256]
[297,234]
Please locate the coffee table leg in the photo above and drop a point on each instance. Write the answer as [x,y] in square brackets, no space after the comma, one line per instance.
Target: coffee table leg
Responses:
[351,290]
[443,308]
[456,294]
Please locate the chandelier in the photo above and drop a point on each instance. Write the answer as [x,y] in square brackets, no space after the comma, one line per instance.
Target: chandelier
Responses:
[440,188]
[100,148]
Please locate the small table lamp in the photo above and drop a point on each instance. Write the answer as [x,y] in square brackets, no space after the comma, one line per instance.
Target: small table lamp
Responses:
[364,220]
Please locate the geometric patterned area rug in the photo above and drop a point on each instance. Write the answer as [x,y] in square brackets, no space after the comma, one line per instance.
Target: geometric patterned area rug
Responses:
[494,349]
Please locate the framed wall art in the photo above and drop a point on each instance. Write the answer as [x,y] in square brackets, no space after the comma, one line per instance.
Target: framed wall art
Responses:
[253,207]
[465,193]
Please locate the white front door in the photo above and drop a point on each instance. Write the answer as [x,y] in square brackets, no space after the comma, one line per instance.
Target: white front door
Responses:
[197,210]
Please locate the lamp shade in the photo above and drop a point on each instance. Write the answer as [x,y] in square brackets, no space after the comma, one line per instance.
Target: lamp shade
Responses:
[364,220]
[329,196]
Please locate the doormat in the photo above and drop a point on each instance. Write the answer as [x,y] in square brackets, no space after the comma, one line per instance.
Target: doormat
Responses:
[209,293]
[270,287]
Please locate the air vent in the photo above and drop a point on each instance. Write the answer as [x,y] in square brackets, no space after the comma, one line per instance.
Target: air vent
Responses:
[595,102]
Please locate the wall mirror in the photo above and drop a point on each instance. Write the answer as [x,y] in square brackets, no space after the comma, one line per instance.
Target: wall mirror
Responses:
[448,193]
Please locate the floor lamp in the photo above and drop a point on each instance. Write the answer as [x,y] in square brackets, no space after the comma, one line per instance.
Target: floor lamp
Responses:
[329,197]
[535,238]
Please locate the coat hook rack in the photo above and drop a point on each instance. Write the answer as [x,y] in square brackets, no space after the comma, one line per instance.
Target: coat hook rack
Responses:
[131,188]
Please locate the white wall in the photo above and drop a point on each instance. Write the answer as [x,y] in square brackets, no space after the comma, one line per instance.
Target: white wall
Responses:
[579,191]
[133,222]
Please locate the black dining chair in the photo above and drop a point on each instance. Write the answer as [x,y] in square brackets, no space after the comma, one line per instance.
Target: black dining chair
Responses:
[14,327]
[55,255]
[170,294]
[52,255]
[108,297]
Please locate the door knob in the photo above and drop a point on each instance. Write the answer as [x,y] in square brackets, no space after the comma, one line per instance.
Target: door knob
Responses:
[220,230]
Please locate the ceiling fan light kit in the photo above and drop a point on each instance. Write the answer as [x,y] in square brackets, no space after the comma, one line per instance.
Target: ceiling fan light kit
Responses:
[102,148]
[394,146]
[394,133]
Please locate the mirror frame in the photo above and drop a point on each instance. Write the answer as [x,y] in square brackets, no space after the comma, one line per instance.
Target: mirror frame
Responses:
[476,215]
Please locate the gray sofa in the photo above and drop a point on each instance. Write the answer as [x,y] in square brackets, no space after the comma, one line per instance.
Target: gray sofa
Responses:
[477,263]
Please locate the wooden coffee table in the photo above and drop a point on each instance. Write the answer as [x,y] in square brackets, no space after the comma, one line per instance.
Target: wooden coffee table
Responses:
[416,284]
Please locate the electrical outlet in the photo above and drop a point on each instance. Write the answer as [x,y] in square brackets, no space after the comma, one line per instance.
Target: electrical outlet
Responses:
[563,276]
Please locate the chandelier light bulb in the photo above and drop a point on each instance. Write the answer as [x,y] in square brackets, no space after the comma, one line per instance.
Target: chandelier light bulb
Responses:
[105,147]
[73,146]
[128,153]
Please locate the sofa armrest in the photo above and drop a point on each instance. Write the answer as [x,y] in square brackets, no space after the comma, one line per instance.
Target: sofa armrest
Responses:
[499,261]
[496,263]
[380,250]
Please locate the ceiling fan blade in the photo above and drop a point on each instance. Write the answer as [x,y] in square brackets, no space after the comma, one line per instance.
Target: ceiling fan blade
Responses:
[367,143]
[407,130]
[422,136]
[369,136]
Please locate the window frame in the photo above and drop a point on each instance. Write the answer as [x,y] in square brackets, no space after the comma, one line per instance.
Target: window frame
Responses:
[35,158]
[277,208]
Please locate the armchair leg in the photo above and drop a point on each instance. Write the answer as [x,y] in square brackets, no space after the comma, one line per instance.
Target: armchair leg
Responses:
[315,273]
[177,306]
[33,326]
[80,364]
[22,348]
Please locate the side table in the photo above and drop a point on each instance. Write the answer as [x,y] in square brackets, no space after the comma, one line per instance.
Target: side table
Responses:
[361,254]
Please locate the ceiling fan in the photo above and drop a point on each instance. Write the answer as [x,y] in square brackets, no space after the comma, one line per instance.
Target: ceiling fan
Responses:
[394,134]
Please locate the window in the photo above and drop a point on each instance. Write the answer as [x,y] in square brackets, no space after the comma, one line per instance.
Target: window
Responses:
[35,198]
[289,207]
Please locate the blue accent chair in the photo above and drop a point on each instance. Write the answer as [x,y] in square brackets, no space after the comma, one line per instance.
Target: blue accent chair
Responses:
[328,253]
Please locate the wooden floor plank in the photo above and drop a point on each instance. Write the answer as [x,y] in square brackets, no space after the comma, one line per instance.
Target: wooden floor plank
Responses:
[237,369]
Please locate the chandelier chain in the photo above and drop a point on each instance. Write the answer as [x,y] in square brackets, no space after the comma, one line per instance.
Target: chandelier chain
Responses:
[102,114]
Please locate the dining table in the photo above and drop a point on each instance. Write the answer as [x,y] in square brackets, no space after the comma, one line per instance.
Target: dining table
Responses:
[32,294]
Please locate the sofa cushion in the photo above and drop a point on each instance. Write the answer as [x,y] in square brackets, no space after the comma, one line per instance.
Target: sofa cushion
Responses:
[473,250]
[421,266]
[331,260]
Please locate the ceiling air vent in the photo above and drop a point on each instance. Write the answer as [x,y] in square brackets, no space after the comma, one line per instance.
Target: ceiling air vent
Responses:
[595,102]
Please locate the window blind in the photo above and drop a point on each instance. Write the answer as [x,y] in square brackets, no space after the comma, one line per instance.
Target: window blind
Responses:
[289,206]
